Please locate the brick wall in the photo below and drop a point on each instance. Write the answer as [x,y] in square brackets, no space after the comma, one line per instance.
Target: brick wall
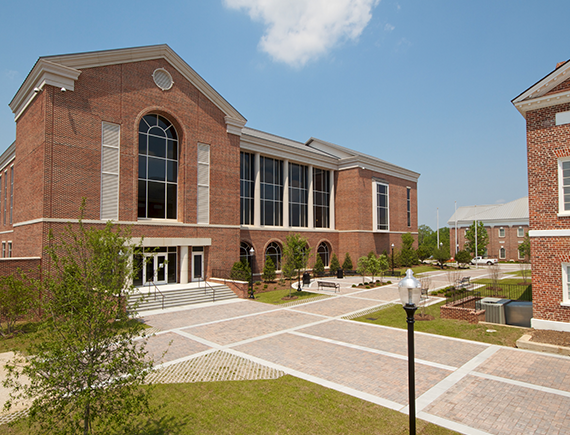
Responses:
[461,310]
[510,242]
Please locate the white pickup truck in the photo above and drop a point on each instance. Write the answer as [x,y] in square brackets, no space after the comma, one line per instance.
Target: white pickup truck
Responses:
[487,261]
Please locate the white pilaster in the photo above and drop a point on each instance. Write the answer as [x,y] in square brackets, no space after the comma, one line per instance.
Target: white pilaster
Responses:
[257,193]
[286,222]
[311,214]
[184,265]
[331,202]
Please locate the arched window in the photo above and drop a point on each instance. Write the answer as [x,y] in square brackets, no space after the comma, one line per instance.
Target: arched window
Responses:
[502,253]
[324,252]
[158,168]
[273,251]
[244,253]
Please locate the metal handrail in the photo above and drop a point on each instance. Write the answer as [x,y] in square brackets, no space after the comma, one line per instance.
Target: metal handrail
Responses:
[156,290]
[207,284]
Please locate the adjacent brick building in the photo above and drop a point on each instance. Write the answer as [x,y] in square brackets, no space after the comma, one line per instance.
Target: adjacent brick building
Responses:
[506,225]
[546,108]
[151,145]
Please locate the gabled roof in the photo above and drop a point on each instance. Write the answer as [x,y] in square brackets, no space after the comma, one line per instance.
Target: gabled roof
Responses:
[64,70]
[538,95]
[514,212]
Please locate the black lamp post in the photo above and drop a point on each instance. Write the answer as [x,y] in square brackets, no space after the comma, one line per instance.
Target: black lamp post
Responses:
[392,259]
[410,292]
[251,252]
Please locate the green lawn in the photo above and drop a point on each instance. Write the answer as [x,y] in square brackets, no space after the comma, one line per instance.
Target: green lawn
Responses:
[287,405]
[396,317]
[276,296]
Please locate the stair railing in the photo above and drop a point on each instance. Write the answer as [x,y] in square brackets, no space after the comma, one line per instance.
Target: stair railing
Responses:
[155,292]
[206,285]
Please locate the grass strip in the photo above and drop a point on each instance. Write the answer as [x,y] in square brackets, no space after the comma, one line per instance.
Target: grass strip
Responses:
[276,297]
[287,405]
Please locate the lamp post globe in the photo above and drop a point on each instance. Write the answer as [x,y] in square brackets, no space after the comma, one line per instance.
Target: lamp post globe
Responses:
[410,290]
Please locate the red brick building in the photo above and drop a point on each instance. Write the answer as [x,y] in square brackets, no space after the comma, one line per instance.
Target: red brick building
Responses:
[546,108]
[506,225]
[151,145]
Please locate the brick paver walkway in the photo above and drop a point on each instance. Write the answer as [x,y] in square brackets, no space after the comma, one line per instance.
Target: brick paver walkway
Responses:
[470,387]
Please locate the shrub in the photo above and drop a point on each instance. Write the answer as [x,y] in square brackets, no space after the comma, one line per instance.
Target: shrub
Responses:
[335,265]
[319,267]
[240,271]
[268,270]
[16,302]
[347,264]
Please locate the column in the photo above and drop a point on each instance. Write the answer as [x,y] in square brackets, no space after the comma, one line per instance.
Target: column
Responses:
[286,222]
[184,265]
[311,214]
[331,202]
[257,193]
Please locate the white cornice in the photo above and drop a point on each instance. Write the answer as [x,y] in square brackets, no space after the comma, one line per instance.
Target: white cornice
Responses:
[234,126]
[76,62]
[43,73]
[546,101]
[549,233]
[378,166]
[157,222]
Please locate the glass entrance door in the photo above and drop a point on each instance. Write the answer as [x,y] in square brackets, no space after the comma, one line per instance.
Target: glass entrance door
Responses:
[197,266]
[156,269]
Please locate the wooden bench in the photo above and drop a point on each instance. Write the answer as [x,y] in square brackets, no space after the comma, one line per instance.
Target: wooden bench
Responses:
[463,282]
[325,285]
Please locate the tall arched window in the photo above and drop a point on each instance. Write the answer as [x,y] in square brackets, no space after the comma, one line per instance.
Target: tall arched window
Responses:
[324,252]
[158,168]
[244,253]
[273,251]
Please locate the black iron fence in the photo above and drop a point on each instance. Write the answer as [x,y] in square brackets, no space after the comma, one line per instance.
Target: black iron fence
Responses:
[467,298]
[507,291]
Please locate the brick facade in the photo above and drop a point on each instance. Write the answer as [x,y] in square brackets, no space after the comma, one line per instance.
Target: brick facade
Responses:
[57,161]
[547,142]
[510,242]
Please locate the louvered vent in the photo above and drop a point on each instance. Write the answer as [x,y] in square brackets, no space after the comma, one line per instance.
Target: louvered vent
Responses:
[203,184]
[162,79]
[110,171]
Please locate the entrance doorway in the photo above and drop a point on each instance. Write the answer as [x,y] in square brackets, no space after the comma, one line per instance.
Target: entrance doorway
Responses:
[197,266]
[156,269]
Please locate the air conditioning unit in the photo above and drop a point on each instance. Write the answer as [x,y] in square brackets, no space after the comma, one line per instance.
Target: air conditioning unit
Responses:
[494,309]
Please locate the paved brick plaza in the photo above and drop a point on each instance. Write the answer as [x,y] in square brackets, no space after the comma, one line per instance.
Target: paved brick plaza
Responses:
[471,387]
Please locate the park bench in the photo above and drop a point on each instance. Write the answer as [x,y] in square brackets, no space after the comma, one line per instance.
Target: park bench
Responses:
[325,285]
[463,282]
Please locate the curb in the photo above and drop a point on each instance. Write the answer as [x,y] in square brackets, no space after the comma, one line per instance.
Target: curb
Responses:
[525,343]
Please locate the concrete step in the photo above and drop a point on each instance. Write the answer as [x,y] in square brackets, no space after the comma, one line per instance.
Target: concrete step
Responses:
[180,297]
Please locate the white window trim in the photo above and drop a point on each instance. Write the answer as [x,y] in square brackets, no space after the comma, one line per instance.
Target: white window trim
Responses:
[502,257]
[565,295]
[375,206]
[561,211]
[504,232]
[519,231]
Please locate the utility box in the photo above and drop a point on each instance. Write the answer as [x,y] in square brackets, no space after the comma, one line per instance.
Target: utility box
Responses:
[518,313]
[495,310]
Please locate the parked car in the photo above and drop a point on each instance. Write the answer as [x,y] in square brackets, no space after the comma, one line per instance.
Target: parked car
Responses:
[487,261]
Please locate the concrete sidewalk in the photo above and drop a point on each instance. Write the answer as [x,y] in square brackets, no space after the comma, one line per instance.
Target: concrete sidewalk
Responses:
[470,387]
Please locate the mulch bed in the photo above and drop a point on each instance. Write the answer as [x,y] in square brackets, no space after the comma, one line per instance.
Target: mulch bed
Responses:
[557,338]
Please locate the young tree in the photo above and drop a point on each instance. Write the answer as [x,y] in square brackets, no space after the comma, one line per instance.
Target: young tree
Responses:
[441,255]
[462,257]
[482,239]
[347,264]
[524,248]
[296,252]
[407,256]
[362,267]
[335,265]
[383,264]
[16,301]
[86,373]
[268,274]
[288,269]
[319,267]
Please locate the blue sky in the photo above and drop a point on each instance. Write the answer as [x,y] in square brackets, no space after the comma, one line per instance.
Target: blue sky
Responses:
[422,84]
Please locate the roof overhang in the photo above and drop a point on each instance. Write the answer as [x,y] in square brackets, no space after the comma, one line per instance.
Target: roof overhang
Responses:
[64,70]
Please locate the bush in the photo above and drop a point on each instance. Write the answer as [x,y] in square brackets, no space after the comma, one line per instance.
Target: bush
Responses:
[335,265]
[463,257]
[319,267]
[347,264]
[16,302]
[268,270]
[240,271]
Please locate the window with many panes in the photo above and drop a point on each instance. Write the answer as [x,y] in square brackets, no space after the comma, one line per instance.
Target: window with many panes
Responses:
[520,232]
[323,251]
[273,251]
[247,188]
[501,232]
[502,253]
[271,195]
[564,186]
[321,198]
[298,195]
[158,168]
[409,205]
[381,206]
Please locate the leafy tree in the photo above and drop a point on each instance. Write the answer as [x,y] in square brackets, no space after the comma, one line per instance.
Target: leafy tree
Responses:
[319,267]
[424,252]
[288,270]
[407,255]
[335,265]
[16,301]
[86,373]
[383,264]
[441,255]
[347,264]
[296,252]
[463,257]
[482,239]
[268,274]
[424,234]
[241,271]
[362,266]
[524,247]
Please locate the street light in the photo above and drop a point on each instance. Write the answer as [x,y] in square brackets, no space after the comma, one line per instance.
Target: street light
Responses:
[410,293]
[392,259]
[251,252]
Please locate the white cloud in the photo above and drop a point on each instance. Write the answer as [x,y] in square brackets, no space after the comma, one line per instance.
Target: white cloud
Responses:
[11,74]
[388,27]
[300,30]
